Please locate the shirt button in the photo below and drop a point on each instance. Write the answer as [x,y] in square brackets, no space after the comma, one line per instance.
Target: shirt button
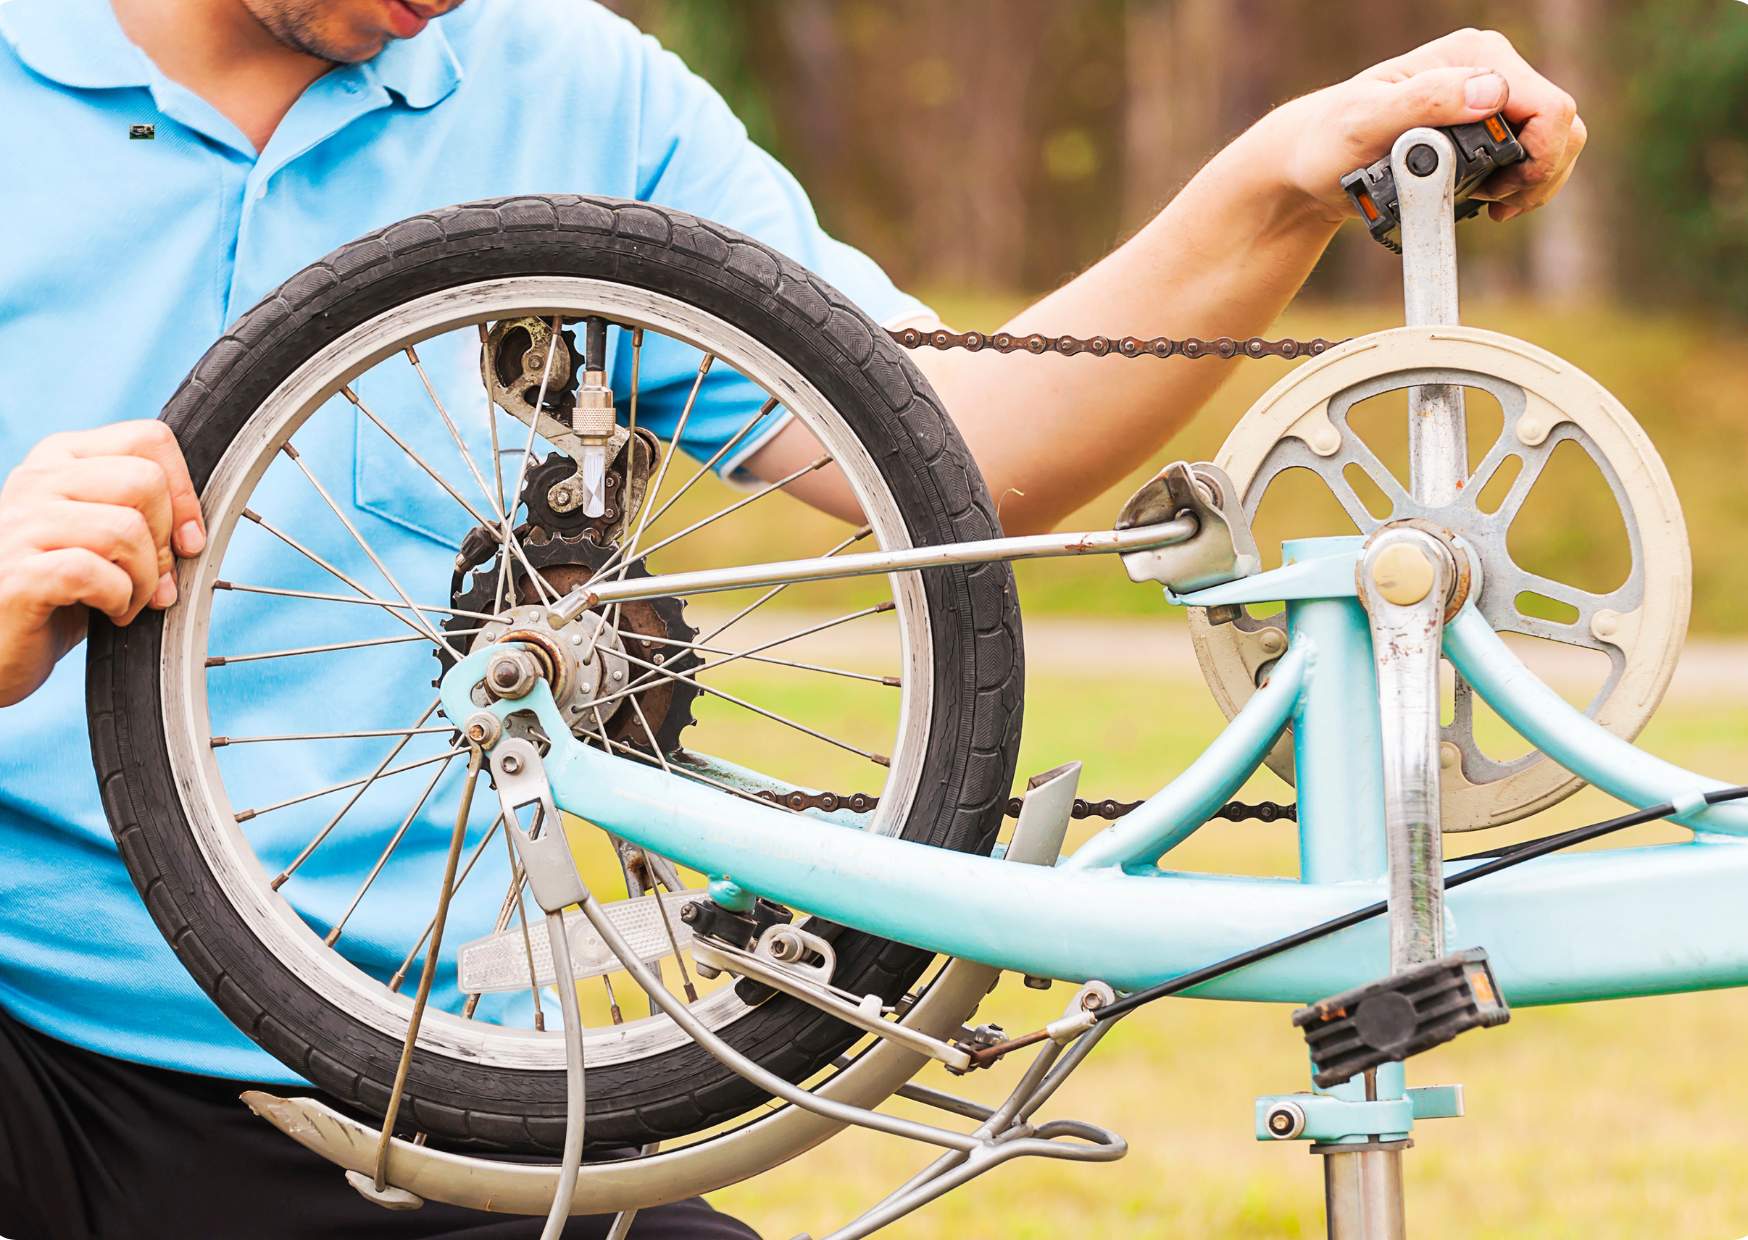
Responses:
[352,86]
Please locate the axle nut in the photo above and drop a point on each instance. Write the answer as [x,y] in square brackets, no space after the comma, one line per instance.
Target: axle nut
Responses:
[1402,574]
[512,673]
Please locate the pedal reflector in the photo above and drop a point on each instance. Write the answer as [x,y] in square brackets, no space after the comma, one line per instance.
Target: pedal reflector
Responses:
[499,962]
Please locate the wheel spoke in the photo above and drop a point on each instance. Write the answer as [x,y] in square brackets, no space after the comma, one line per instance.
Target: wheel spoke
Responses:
[631,431]
[877,759]
[339,927]
[492,424]
[219,742]
[424,465]
[225,660]
[649,868]
[774,591]
[543,586]
[738,504]
[247,814]
[455,434]
[363,543]
[518,886]
[369,600]
[363,787]
[746,427]
[651,492]
[416,620]
[400,973]
[750,657]
[657,670]
[506,532]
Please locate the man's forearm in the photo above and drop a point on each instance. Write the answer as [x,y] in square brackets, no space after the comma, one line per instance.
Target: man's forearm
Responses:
[1223,259]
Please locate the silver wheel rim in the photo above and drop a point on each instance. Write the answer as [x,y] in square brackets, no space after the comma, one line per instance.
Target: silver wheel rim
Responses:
[223,845]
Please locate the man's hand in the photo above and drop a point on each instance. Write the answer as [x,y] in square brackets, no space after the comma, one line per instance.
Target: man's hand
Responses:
[1460,78]
[89,520]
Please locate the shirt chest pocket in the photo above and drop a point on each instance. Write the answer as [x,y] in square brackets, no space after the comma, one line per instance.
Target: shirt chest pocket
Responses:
[408,437]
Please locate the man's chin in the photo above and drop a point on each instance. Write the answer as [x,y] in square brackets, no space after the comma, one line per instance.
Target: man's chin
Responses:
[358,51]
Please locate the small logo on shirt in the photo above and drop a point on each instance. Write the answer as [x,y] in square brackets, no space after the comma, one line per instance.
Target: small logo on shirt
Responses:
[142,132]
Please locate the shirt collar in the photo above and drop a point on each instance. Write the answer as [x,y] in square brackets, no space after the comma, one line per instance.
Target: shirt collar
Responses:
[79,43]
[74,42]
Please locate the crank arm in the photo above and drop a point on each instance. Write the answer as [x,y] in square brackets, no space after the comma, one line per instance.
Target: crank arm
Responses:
[1406,578]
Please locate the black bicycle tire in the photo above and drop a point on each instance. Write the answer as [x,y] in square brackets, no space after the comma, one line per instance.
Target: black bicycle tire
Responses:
[973,736]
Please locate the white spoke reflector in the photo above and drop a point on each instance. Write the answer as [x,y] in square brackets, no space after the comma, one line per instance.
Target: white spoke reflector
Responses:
[499,962]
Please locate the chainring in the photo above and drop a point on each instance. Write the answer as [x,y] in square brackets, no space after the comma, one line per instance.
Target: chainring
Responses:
[1302,424]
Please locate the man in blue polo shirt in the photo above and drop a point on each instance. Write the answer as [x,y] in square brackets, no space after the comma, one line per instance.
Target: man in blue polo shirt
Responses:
[167,163]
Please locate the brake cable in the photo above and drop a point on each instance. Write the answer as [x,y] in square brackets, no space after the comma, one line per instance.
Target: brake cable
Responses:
[1492,861]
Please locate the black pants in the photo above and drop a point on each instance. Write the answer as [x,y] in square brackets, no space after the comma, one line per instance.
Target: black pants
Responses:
[95,1147]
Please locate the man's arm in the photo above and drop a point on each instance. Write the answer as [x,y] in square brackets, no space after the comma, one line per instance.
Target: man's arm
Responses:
[1223,258]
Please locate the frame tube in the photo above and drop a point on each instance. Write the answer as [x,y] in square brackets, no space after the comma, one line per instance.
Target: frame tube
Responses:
[1568,737]
[1553,924]
[873,563]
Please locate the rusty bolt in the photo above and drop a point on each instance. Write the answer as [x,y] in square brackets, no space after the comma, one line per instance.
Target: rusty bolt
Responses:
[483,729]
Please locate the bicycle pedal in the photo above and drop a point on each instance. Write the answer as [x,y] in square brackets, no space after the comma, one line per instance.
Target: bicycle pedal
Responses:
[1400,1015]
[1482,148]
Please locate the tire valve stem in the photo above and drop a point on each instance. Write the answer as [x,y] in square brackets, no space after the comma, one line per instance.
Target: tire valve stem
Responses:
[594,420]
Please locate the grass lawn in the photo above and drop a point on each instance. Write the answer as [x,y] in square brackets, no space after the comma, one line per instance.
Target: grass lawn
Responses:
[1623,1119]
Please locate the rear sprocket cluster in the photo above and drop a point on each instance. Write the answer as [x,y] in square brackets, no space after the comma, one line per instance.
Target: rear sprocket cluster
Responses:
[567,550]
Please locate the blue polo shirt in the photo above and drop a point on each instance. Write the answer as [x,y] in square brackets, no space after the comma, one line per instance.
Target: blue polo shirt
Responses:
[126,256]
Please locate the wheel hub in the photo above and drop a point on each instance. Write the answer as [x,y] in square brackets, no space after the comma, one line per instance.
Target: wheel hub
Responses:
[643,646]
[583,662]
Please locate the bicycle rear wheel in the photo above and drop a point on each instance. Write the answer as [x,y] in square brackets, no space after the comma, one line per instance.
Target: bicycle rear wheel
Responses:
[273,877]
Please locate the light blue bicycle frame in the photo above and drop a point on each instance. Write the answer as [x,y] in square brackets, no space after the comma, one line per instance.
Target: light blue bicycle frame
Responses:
[1559,929]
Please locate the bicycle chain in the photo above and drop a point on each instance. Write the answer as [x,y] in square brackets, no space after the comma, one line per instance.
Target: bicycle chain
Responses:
[1108,809]
[1106,346]
[1070,346]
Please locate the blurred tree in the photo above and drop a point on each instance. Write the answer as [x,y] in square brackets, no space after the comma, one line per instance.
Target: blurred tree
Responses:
[1570,255]
[1004,146]
[1690,171]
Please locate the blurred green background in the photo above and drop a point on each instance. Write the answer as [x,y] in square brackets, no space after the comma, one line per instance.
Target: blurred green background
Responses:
[985,152]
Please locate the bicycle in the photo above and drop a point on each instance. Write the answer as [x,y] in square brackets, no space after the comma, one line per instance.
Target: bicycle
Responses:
[568,669]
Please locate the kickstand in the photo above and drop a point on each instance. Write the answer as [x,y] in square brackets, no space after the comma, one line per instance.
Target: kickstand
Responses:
[1005,1132]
